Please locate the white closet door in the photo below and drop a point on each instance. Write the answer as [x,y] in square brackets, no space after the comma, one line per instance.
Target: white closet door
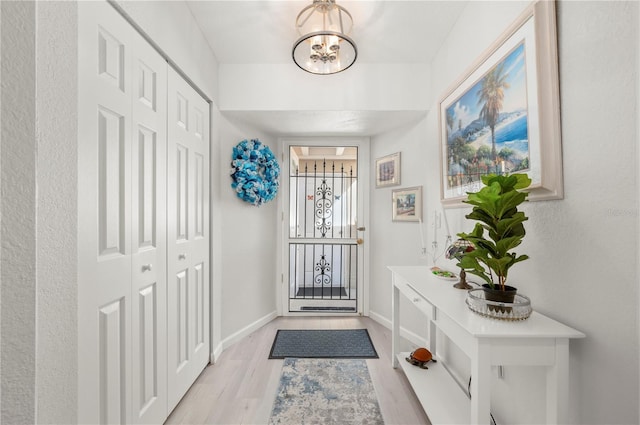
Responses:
[104,219]
[122,222]
[188,236]
[148,231]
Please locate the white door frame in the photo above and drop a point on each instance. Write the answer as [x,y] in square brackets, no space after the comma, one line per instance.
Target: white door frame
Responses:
[282,272]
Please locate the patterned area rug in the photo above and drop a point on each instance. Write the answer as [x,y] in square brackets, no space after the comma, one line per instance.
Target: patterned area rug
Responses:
[321,343]
[325,391]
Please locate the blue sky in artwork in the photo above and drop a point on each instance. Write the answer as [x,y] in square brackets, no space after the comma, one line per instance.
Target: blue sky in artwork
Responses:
[466,108]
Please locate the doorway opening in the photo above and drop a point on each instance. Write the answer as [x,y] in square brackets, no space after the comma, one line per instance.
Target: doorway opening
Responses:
[324,250]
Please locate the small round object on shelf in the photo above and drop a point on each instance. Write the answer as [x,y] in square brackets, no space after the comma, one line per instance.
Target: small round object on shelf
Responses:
[420,357]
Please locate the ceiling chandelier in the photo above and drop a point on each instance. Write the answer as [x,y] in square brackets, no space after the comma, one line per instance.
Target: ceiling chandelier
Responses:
[324,46]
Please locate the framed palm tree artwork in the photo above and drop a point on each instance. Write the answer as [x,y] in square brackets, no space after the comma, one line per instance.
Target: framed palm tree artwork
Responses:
[503,115]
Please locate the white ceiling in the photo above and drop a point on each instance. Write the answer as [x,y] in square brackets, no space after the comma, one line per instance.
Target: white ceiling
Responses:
[263,31]
[325,123]
[386,31]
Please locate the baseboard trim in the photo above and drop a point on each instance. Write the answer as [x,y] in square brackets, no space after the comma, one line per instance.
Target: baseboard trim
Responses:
[412,337]
[232,339]
[217,351]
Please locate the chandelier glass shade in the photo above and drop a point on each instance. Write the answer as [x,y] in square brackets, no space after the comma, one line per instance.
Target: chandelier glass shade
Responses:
[324,46]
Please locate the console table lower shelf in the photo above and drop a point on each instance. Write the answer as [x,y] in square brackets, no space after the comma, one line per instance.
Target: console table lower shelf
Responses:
[537,341]
[442,399]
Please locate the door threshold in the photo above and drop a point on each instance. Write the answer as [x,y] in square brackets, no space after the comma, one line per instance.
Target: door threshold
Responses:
[314,308]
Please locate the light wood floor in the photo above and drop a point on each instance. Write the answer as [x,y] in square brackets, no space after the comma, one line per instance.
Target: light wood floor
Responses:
[241,387]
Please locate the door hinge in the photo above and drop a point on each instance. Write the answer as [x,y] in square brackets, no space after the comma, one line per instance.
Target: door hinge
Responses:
[282,278]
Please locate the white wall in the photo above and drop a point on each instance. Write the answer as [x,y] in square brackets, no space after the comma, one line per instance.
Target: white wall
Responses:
[248,235]
[399,243]
[56,121]
[38,212]
[594,230]
[583,269]
[18,232]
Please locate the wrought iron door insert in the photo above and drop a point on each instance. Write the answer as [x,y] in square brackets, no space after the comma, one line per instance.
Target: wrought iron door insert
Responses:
[323,253]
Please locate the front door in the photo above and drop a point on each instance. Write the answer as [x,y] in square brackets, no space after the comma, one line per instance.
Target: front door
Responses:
[324,249]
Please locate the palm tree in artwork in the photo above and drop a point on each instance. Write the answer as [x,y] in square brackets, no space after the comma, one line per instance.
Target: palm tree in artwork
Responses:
[492,95]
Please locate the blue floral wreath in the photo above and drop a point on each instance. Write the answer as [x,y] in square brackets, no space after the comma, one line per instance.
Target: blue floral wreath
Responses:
[255,172]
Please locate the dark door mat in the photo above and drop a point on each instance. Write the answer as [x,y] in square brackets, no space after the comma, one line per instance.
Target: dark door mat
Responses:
[329,292]
[323,344]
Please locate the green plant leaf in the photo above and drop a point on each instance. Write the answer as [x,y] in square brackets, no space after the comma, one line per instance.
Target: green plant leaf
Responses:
[520,258]
[481,215]
[504,245]
[500,265]
[470,264]
[486,199]
[483,276]
[507,205]
[495,210]
[523,181]
[512,226]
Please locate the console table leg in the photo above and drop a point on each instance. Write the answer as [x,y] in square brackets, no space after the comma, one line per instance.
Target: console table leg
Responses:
[558,384]
[395,326]
[433,337]
[481,383]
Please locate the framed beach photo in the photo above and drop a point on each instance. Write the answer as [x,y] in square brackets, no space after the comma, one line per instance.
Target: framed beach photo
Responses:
[388,170]
[407,204]
[503,115]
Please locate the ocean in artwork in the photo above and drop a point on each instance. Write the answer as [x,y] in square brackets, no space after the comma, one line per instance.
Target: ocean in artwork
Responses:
[487,126]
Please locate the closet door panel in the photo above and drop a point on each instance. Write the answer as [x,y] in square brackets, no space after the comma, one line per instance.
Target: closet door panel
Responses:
[201,308]
[181,179]
[104,225]
[122,222]
[199,231]
[188,240]
[112,356]
[143,239]
[148,228]
[181,304]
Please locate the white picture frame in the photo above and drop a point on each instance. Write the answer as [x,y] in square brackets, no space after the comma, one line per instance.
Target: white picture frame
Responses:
[535,31]
[406,204]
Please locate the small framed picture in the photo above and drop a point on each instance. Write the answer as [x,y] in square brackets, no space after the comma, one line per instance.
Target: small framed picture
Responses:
[407,204]
[388,170]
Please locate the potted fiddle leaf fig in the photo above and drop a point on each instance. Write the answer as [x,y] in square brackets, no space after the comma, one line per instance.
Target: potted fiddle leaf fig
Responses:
[499,229]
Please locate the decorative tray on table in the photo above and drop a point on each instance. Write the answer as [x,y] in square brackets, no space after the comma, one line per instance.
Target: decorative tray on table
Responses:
[519,309]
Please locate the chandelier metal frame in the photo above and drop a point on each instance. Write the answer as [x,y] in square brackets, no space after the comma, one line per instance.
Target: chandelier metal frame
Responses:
[319,48]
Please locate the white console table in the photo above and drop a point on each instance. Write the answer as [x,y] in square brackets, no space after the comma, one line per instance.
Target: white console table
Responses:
[537,341]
